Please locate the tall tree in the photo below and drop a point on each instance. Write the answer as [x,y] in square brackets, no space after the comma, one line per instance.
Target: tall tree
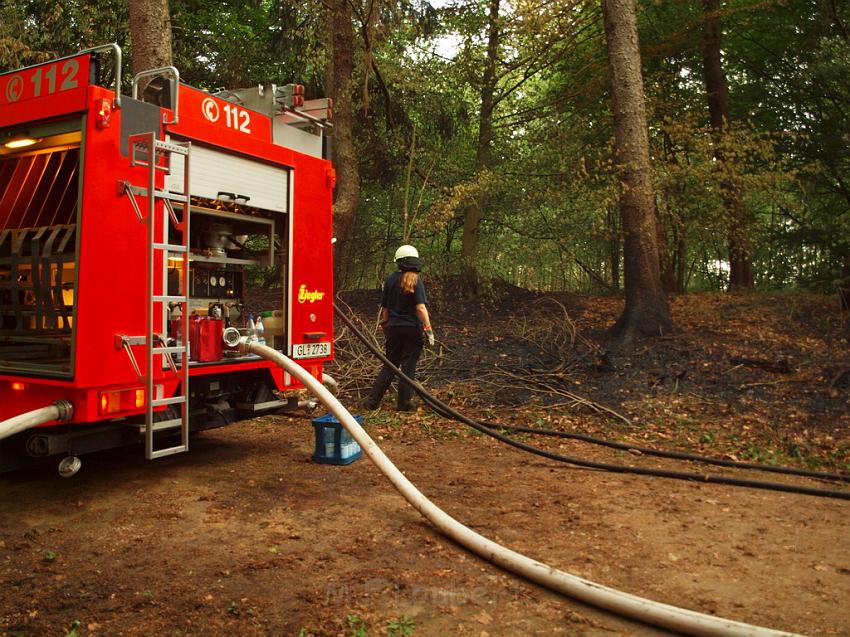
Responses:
[340,86]
[150,31]
[646,311]
[474,213]
[740,250]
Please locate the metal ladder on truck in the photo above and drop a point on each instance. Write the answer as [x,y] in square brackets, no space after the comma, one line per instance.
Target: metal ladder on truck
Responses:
[149,152]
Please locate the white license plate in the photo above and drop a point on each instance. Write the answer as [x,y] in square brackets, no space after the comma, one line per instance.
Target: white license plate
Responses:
[311,350]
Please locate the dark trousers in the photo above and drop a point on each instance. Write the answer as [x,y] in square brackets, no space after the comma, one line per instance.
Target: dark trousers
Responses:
[403,348]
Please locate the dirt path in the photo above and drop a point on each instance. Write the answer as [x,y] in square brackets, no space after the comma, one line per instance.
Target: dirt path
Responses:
[246,536]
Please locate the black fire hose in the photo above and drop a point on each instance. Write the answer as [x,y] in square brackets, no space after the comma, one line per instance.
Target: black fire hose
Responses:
[445,410]
[664,453]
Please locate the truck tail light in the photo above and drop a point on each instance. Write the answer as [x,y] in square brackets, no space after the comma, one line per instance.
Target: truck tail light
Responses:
[110,402]
[116,400]
[103,113]
[19,386]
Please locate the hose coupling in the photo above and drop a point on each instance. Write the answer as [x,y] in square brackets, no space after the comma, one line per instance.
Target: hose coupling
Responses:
[66,409]
[238,339]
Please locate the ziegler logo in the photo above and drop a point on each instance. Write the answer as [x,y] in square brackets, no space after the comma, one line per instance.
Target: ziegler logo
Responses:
[305,296]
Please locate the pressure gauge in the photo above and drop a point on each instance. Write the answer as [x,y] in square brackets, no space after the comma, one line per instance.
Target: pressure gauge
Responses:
[213,280]
[221,281]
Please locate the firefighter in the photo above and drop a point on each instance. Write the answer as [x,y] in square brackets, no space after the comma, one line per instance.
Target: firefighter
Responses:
[406,325]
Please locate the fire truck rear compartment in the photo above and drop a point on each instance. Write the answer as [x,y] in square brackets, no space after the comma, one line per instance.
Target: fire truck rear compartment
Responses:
[39,203]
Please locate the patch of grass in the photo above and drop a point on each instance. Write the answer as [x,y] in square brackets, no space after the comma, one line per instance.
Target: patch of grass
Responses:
[401,627]
[49,556]
[474,433]
[356,625]
[791,454]
[801,454]
[762,455]
[384,418]
[526,437]
[838,458]
[72,629]
[708,438]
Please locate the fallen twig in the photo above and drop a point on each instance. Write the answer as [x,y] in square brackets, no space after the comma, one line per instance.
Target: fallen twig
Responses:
[577,400]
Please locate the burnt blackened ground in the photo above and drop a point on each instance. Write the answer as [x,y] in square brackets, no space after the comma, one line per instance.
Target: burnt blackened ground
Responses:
[761,376]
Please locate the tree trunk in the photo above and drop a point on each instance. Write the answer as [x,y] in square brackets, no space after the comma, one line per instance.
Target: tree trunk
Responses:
[613,247]
[673,255]
[844,285]
[666,254]
[673,260]
[341,88]
[474,213]
[740,250]
[646,311]
[150,31]
[681,261]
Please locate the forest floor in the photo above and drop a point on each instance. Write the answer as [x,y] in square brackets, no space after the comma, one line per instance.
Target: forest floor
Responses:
[245,535]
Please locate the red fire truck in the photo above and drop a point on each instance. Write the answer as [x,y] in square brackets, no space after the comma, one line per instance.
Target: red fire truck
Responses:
[129,229]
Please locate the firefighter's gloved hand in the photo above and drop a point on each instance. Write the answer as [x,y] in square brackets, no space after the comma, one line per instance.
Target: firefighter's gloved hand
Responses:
[429,336]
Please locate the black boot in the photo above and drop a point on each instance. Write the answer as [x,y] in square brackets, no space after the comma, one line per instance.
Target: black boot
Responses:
[379,388]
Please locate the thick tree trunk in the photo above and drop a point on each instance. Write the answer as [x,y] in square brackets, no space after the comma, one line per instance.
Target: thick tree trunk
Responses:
[483,157]
[341,89]
[150,31]
[740,250]
[646,311]
[613,247]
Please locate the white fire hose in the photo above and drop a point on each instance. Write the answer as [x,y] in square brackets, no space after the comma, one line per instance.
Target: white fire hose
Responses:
[60,410]
[645,610]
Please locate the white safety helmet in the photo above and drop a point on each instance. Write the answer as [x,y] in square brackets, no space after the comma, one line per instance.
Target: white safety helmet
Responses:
[406,251]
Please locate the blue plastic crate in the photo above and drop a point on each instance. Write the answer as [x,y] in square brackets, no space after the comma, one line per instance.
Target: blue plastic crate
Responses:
[334,445]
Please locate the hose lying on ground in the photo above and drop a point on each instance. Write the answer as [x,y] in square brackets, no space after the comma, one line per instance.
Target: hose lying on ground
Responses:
[60,410]
[664,453]
[446,411]
[639,608]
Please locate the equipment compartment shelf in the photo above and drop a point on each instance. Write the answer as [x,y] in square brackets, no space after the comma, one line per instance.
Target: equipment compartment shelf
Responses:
[229,230]
[201,258]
